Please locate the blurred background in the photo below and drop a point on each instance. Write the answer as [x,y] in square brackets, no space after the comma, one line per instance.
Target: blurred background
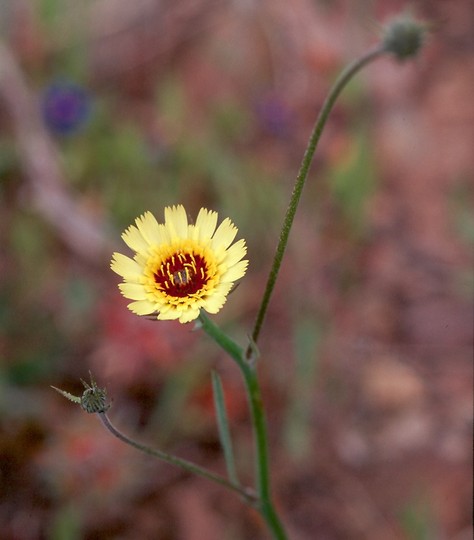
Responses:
[110,108]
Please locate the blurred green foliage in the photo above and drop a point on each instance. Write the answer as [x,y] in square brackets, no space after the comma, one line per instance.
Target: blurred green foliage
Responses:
[298,431]
[352,182]
[417,520]
[66,524]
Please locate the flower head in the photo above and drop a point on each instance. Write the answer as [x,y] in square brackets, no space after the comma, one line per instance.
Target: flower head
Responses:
[178,268]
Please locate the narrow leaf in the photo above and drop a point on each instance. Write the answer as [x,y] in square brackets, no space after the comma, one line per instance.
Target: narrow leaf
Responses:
[223,426]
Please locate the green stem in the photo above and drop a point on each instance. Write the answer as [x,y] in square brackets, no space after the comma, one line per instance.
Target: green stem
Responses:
[249,374]
[173,460]
[338,86]
[242,359]
[261,443]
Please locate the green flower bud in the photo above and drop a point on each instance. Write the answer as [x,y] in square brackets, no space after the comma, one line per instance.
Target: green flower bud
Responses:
[94,399]
[403,36]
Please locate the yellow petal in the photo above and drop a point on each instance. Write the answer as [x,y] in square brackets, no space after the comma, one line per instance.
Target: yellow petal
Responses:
[133,291]
[205,225]
[189,315]
[176,222]
[214,304]
[134,239]
[126,267]
[235,253]
[224,235]
[235,272]
[150,229]
[169,315]
[142,307]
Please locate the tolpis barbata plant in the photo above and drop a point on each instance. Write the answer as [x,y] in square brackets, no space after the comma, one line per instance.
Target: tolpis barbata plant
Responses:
[185,271]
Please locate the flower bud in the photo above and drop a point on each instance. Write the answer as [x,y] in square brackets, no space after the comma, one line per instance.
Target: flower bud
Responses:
[94,399]
[403,36]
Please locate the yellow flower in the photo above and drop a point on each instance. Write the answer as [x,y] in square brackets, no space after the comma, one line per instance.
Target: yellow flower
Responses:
[179,269]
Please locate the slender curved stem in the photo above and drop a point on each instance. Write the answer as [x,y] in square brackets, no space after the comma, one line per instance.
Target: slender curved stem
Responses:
[173,460]
[243,360]
[264,502]
[338,86]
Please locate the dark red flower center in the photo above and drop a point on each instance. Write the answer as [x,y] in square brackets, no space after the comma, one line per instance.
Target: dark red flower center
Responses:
[182,274]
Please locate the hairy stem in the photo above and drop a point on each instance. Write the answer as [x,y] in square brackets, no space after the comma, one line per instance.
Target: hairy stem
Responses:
[328,104]
[173,460]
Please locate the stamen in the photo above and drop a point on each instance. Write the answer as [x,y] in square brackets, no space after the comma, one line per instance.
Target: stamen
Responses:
[182,274]
[181,277]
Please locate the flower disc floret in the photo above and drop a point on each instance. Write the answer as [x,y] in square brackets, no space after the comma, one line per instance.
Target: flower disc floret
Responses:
[179,268]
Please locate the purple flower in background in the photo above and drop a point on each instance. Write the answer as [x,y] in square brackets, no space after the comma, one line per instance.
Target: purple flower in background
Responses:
[274,115]
[66,107]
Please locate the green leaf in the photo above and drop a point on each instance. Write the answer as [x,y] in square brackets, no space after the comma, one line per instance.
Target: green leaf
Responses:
[223,426]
